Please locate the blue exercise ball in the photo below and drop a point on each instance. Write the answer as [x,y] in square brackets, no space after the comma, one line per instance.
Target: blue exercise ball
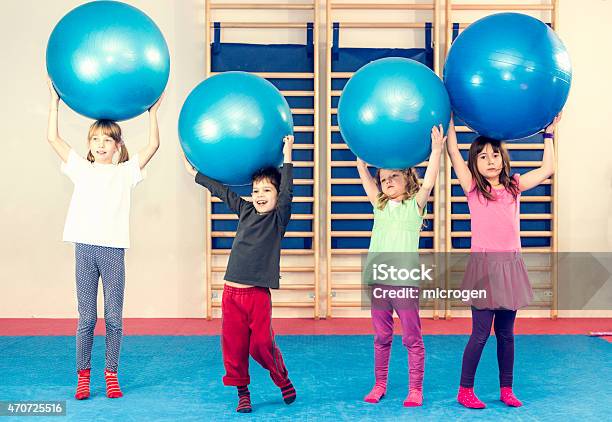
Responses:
[387,109]
[232,124]
[108,60]
[507,75]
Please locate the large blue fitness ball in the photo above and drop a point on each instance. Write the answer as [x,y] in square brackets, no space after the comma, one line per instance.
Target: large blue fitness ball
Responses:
[233,124]
[507,75]
[387,109]
[108,60]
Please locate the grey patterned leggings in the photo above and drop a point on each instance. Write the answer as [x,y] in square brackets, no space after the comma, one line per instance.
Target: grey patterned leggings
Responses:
[93,262]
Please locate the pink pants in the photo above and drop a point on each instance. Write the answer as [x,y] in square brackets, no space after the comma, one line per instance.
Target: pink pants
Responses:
[382,319]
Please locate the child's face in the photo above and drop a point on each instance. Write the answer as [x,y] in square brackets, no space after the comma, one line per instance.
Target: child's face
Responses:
[489,162]
[393,183]
[264,195]
[103,148]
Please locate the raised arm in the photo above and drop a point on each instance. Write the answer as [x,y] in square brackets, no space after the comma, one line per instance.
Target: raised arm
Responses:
[190,169]
[147,153]
[285,190]
[231,198]
[433,168]
[461,169]
[59,145]
[368,182]
[534,177]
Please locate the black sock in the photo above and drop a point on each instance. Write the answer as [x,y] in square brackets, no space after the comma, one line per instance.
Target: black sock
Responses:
[288,393]
[244,399]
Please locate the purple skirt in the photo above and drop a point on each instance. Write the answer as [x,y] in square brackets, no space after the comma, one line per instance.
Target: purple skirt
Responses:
[501,279]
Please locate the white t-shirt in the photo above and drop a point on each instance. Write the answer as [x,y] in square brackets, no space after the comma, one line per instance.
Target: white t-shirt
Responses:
[99,212]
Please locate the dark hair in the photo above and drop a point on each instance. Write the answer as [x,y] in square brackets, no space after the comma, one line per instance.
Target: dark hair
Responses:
[482,184]
[270,174]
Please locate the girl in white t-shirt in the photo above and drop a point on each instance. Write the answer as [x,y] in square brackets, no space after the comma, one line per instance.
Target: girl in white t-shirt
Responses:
[98,225]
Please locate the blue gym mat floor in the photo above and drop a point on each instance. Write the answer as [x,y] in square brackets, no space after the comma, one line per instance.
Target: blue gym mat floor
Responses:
[171,378]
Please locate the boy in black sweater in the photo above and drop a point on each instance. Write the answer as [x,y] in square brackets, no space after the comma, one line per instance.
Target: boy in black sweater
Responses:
[252,270]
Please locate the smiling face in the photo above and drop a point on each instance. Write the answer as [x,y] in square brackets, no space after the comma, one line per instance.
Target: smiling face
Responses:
[264,195]
[489,162]
[102,147]
[393,183]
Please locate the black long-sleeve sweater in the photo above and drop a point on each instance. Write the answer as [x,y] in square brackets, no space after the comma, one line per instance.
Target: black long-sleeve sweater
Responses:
[255,256]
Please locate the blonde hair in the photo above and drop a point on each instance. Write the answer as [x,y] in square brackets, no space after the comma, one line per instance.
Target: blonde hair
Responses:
[412,187]
[112,130]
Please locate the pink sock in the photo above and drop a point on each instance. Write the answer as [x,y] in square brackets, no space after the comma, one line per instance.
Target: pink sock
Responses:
[82,391]
[467,398]
[112,385]
[414,398]
[508,397]
[377,393]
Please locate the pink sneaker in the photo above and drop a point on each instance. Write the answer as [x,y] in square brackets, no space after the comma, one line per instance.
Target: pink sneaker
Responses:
[377,393]
[507,396]
[415,398]
[468,399]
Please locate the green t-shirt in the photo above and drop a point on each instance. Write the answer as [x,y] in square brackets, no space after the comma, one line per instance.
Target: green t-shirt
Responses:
[395,237]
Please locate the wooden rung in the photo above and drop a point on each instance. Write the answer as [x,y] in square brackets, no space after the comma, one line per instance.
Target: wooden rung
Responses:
[524,233]
[510,146]
[303,182]
[341,75]
[363,251]
[336,304]
[522,216]
[248,198]
[354,164]
[284,252]
[524,250]
[365,233]
[282,269]
[492,6]
[545,182]
[235,217]
[278,75]
[262,6]
[276,304]
[307,287]
[287,234]
[382,25]
[534,269]
[525,163]
[345,270]
[303,146]
[298,163]
[358,198]
[348,287]
[341,181]
[254,25]
[302,111]
[303,129]
[523,198]
[364,216]
[336,93]
[381,6]
[297,93]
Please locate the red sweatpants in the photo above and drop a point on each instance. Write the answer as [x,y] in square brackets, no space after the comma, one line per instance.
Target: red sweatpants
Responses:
[247,329]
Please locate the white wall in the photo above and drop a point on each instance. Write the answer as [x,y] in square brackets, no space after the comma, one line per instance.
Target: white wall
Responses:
[165,264]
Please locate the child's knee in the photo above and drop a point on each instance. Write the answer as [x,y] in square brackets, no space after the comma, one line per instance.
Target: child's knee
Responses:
[383,338]
[413,341]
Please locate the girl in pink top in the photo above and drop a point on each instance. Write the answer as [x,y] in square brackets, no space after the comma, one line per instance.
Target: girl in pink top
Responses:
[495,264]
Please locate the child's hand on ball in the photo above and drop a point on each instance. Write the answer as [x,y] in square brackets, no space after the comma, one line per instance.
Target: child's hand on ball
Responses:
[437,138]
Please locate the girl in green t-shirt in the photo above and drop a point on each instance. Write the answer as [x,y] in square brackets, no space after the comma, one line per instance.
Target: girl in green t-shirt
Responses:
[399,207]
